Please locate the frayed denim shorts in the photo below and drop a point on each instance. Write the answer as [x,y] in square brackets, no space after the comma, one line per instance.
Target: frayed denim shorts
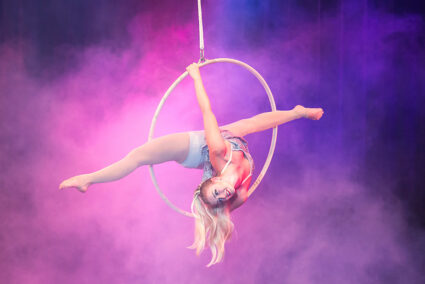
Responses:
[195,158]
[199,158]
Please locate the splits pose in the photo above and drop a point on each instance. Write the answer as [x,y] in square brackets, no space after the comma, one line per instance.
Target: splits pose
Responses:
[221,152]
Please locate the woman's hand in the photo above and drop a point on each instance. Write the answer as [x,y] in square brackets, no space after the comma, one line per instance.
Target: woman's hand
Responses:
[81,182]
[193,70]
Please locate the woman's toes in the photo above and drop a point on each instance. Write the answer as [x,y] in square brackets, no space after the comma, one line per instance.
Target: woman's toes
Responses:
[314,113]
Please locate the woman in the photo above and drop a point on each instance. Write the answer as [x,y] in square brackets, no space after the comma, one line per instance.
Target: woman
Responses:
[224,156]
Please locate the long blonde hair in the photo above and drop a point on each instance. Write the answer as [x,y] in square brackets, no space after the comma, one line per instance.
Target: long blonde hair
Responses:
[212,226]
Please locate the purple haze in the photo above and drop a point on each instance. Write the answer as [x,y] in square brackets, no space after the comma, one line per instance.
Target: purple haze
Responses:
[321,214]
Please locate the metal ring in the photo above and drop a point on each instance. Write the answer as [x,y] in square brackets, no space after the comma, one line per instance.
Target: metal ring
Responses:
[168,92]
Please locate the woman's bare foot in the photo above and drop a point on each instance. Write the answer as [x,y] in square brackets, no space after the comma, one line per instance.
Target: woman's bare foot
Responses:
[310,113]
[80,182]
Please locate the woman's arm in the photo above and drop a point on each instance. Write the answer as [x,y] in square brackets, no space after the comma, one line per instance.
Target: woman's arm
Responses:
[215,141]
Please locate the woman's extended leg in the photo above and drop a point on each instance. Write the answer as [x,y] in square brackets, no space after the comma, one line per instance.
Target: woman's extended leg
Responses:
[269,120]
[172,147]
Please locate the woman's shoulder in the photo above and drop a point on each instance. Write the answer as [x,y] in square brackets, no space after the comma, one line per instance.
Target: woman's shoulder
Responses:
[241,195]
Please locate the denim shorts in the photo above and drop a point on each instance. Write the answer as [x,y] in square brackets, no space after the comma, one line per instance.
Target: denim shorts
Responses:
[199,158]
[195,158]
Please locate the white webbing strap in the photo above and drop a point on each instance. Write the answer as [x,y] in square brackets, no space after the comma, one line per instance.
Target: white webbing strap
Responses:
[228,162]
[201,33]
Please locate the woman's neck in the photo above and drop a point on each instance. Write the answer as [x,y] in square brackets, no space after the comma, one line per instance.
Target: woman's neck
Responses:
[231,176]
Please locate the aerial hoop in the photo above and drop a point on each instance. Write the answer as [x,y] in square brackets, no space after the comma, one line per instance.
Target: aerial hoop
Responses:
[168,92]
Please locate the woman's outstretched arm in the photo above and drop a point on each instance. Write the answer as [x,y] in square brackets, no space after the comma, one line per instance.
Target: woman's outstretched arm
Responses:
[215,141]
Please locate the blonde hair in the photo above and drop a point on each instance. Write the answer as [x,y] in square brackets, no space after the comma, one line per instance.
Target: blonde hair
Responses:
[212,226]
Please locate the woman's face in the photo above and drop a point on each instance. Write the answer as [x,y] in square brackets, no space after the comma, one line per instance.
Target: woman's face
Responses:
[218,192]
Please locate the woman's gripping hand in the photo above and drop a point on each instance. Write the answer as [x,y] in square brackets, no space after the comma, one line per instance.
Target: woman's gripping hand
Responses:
[193,70]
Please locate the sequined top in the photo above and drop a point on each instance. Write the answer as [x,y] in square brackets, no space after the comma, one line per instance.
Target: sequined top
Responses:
[237,144]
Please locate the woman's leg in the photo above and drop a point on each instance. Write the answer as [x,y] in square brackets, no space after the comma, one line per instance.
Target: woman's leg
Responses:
[174,147]
[269,120]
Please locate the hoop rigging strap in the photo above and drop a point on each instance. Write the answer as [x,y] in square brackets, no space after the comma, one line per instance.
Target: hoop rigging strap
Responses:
[201,33]
[168,92]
